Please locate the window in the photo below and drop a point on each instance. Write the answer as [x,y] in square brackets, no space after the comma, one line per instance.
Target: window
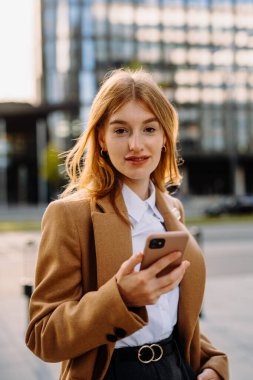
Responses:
[148,15]
[74,55]
[88,54]
[243,137]
[199,57]
[49,21]
[198,3]
[122,50]
[175,56]
[121,31]
[87,22]
[74,18]
[102,53]
[87,84]
[149,52]
[212,129]
[50,54]
[54,90]
[99,14]
[148,34]
[121,14]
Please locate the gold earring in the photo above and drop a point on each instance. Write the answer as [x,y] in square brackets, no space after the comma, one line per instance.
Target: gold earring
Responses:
[164,148]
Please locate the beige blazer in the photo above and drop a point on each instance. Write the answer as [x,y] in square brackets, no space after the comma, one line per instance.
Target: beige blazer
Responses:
[76,307]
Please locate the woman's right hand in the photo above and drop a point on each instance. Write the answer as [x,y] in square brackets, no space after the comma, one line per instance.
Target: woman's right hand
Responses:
[144,287]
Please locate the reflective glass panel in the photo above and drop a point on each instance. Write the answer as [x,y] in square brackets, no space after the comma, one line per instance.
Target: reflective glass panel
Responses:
[87,22]
[88,54]
[87,85]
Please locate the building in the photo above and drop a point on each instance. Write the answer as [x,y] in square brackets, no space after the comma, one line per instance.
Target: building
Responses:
[29,163]
[201,53]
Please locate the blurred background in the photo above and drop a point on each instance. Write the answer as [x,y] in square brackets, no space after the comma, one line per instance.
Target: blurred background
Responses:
[54,54]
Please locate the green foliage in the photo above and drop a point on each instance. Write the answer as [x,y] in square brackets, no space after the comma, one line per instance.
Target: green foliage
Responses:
[226,219]
[30,225]
[134,65]
[50,165]
[7,226]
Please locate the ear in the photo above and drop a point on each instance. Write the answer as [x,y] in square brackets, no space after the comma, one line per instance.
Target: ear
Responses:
[101,138]
[164,137]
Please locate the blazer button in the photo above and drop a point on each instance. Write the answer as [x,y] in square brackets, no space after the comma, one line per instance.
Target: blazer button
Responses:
[111,338]
[119,332]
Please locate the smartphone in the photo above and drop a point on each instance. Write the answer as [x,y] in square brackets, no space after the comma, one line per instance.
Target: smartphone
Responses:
[161,244]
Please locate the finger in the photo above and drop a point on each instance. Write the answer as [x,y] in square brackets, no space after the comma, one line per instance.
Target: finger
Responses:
[171,280]
[129,265]
[208,374]
[186,264]
[162,263]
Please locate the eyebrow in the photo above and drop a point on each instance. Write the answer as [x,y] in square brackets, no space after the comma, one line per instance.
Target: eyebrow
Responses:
[123,122]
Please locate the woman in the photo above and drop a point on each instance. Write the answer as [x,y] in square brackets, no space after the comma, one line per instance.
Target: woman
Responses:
[92,308]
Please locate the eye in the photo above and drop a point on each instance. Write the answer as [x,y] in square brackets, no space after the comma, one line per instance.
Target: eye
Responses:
[150,129]
[120,131]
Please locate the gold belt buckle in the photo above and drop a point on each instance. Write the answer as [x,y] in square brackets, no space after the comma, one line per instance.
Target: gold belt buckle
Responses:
[153,357]
[161,352]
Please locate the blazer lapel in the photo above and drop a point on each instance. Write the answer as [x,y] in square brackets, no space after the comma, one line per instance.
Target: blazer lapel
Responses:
[112,238]
[192,285]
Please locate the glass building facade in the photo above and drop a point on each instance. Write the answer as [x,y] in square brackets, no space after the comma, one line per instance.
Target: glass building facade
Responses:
[200,52]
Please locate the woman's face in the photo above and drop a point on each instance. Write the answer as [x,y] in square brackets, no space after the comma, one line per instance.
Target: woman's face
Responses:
[133,138]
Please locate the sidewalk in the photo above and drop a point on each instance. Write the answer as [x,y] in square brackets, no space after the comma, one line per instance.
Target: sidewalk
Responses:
[227,317]
[16,361]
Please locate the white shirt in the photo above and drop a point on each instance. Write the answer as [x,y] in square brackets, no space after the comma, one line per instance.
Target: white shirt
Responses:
[146,219]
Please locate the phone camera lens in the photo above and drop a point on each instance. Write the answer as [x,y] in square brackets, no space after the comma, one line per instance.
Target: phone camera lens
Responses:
[157,243]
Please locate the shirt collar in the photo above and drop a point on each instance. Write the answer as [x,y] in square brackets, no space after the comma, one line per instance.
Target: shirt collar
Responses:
[136,207]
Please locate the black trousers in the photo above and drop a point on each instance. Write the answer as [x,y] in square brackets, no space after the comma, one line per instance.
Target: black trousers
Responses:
[169,367]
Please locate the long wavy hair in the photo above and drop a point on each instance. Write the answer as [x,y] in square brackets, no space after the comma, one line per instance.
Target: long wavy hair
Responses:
[88,169]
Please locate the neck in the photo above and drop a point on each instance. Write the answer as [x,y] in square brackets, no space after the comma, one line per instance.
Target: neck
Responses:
[141,189]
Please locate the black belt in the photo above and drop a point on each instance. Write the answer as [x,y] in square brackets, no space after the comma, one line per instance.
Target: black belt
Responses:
[147,353]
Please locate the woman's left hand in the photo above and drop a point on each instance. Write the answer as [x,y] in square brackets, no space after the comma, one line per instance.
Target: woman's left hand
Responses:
[208,374]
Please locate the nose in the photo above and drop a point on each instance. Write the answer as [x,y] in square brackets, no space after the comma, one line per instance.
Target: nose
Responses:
[135,142]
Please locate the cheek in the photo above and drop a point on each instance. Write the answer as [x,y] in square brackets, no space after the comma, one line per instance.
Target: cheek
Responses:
[114,149]
[157,146]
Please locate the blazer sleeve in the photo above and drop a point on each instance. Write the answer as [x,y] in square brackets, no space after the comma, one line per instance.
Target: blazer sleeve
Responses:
[212,358]
[65,322]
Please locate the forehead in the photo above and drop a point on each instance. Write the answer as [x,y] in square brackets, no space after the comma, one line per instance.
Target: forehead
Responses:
[132,109]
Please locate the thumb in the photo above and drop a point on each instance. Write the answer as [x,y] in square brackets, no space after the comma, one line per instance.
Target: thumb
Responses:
[129,265]
[208,374]
[204,375]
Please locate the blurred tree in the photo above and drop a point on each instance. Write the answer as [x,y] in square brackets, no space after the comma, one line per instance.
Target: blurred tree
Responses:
[50,170]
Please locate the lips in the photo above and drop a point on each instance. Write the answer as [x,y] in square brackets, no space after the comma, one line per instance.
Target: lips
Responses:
[136,158]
